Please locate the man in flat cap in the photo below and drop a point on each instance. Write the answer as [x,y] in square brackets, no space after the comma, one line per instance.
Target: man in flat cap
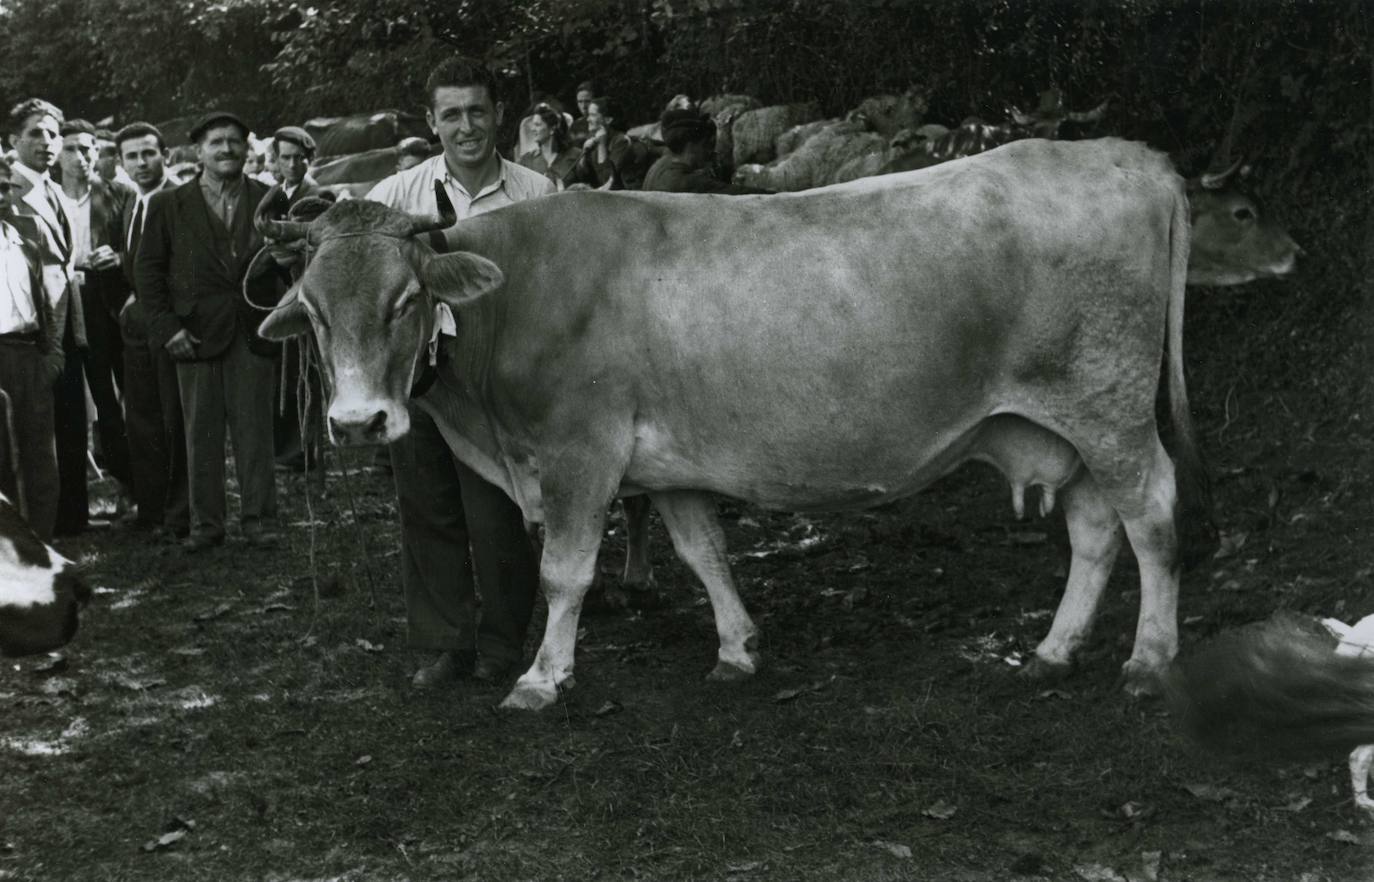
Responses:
[690,137]
[198,244]
[293,149]
[292,152]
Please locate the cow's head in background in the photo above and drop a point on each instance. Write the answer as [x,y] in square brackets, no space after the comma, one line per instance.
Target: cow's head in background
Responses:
[1233,240]
[40,595]
[369,292]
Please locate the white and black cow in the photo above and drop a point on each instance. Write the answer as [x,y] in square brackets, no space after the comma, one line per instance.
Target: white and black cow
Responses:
[40,593]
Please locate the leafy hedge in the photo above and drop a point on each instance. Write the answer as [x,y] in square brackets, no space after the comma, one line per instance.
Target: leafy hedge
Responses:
[1289,82]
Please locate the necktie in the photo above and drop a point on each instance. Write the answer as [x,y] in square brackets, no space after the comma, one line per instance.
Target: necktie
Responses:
[66,243]
[136,230]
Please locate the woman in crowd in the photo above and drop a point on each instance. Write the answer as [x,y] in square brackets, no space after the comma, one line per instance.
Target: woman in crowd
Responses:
[608,154]
[552,156]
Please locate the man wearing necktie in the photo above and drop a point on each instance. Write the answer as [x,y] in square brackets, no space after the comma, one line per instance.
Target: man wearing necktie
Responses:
[34,135]
[152,397]
[197,247]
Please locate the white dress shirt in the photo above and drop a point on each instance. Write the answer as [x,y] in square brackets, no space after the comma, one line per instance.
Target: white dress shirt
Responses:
[17,314]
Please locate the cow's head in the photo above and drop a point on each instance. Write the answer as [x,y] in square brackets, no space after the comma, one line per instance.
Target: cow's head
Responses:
[1233,241]
[40,595]
[369,289]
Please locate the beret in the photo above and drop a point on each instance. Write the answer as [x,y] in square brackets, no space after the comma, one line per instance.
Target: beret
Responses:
[295,135]
[216,117]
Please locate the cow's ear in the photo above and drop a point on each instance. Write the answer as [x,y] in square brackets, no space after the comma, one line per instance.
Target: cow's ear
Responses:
[288,320]
[461,277]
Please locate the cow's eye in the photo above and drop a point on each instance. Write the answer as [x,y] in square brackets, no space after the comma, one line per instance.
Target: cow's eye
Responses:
[1243,214]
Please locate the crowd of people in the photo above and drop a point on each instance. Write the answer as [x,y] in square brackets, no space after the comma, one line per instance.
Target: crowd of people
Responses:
[128,283]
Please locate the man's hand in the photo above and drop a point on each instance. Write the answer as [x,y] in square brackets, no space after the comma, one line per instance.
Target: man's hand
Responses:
[287,255]
[103,258]
[53,363]
[182,346]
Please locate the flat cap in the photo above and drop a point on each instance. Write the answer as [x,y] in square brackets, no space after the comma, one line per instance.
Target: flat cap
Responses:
[213,118]
[694,121]
[295,135]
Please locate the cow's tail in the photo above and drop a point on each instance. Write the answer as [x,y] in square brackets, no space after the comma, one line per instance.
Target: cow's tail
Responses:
[1275,689]
[1194,526]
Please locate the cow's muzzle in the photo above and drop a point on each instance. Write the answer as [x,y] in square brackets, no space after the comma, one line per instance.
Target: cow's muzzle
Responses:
[374,423]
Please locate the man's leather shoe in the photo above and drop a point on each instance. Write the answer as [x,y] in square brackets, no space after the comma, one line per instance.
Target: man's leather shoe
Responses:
[494,670]
[449,667]
[201,541]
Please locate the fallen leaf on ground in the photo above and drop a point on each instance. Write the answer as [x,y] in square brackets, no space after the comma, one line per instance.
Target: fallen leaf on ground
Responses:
[1344,836]
[1055,693]
[55,664]
[368,645]
[896,849]
[1299,804]
[1210,792]
[940,811]
[363,760]
[610,707]
[166,840]
[789,694]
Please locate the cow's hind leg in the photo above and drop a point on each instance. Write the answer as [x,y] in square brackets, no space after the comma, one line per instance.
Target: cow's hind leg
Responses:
[572,537]
[699,540]
[1095,540]
[1151,528]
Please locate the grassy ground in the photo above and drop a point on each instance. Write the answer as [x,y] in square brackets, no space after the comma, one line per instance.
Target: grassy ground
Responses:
[267,731]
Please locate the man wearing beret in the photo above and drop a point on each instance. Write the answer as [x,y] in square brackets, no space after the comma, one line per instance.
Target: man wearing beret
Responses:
[690,137]
[197,246]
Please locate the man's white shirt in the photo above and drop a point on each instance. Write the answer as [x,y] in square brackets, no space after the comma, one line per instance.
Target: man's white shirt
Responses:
[412,191]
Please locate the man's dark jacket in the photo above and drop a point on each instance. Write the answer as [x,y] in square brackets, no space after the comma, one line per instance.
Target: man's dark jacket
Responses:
[189,270]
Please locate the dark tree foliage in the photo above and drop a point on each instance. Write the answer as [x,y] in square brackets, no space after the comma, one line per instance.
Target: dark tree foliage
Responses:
[1287,83]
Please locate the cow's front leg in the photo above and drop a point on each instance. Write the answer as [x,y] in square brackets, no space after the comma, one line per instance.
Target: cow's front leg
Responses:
[572,537]
[698,539]
[1360,759]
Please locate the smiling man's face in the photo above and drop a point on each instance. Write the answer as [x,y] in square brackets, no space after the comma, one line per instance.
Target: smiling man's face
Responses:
[465,119]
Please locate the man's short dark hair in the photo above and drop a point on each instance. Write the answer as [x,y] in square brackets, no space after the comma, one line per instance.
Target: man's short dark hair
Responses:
[76,127]
[458,72]
[138,130]
[20,113]
[104,135]
[585,86]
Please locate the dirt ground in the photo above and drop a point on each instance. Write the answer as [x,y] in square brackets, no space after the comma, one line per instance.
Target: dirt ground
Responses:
[221,717]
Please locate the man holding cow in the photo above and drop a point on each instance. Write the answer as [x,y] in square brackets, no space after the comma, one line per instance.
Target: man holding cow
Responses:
[454,524]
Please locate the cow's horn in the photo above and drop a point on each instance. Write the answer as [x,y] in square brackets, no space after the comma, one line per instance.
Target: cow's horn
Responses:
[265,219]
[447,216]
[1217,180]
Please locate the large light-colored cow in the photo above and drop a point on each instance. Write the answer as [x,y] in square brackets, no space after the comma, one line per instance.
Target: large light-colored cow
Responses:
[40,593]
[831,349]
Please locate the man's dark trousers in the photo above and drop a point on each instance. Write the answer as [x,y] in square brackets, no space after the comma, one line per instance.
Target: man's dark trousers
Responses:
[157,438]
[454,523]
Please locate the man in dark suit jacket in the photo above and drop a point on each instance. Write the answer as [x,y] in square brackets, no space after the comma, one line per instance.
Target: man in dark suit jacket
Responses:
[152,400]
[196,249]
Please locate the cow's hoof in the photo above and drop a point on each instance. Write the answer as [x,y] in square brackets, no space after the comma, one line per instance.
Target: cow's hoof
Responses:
[1045,671]
[529,697]
[731,671]
[1139,680]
